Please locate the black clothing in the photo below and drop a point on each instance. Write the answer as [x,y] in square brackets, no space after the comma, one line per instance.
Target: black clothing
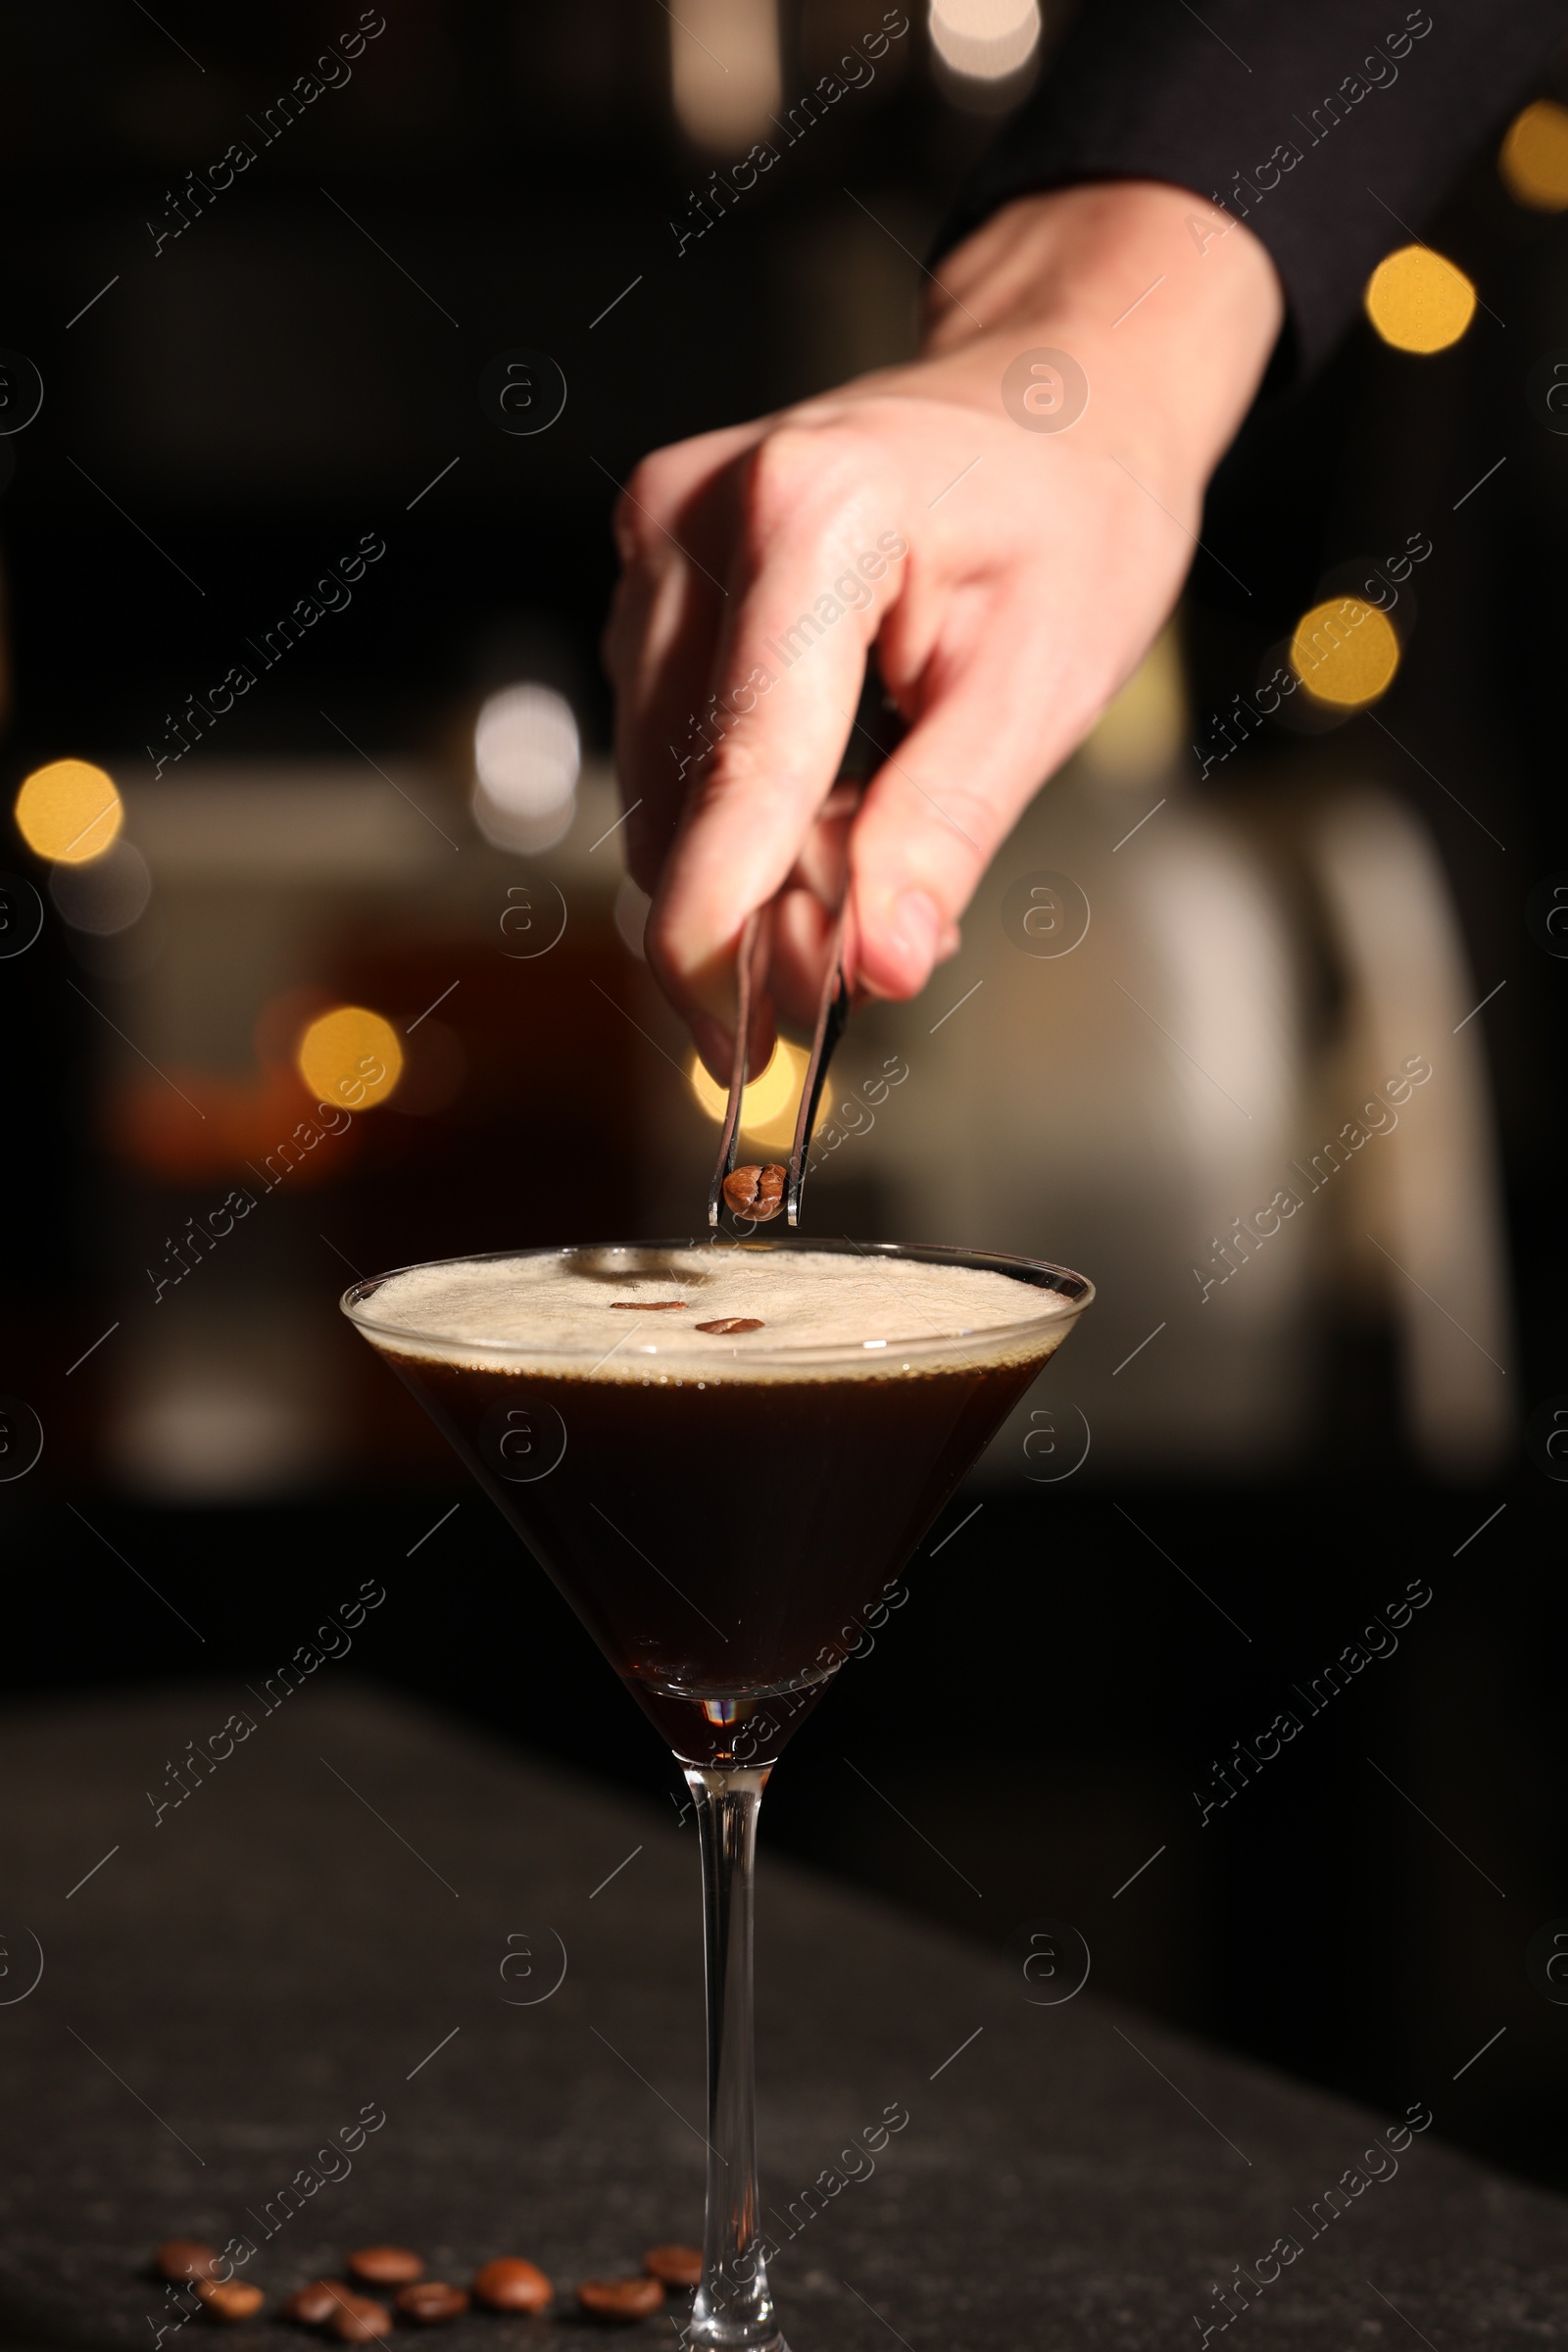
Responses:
[1289,113]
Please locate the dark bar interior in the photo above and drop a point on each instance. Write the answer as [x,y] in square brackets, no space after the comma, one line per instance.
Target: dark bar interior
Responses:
[329,338]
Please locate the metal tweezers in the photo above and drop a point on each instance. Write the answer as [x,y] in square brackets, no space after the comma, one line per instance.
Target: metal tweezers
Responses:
[832,1012]
[875,735]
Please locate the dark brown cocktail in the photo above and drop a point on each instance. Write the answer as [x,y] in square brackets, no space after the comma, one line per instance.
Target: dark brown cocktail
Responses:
[723,1456]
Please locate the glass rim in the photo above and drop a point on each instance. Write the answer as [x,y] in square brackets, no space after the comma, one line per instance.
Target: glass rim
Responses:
[1073,1293]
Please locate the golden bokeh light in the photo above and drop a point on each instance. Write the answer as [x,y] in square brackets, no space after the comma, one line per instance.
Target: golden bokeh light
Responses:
[1533,156]
[350,1056]
[1419,301]
[69,812]
[1344,652]
[769,1104]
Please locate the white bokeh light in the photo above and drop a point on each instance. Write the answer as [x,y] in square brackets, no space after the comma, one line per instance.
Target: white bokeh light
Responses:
[985,40]
[526,761]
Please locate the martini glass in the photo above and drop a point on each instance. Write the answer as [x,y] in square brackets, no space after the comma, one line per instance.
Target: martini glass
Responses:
[727,1518]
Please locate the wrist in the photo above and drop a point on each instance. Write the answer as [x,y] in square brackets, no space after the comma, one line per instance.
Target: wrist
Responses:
[1169,305]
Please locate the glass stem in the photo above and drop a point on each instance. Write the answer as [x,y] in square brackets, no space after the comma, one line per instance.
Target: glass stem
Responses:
[733,2307]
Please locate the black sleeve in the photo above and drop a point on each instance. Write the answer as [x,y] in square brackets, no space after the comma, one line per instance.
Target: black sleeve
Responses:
[1326,125]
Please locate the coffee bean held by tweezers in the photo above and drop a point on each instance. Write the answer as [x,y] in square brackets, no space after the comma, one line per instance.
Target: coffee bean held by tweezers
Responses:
[757,1192]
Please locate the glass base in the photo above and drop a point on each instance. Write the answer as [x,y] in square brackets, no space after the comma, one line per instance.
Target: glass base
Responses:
[728,2341]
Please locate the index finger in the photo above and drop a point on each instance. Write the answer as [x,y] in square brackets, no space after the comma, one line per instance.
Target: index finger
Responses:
[673,530]
[818,565]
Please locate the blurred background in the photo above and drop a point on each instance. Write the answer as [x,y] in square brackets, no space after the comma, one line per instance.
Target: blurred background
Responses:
[325,338]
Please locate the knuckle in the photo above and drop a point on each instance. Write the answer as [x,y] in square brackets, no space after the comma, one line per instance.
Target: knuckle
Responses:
[973,814]
[943,835]
[801,476]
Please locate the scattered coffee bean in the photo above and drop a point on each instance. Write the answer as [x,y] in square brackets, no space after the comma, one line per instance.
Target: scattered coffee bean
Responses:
[757,1192]
[675,2266]
[313,2305]
[384,2266]
[510,2285]
[358,2320]
[728,1325]
[180,2258]
[644,1306]
[430,2300]
[620,2298]
[230,2301]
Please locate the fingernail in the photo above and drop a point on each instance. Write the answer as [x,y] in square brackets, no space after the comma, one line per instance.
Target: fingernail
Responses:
[917,924]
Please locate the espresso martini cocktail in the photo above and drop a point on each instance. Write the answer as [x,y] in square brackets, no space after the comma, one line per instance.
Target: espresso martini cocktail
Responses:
[723,1456]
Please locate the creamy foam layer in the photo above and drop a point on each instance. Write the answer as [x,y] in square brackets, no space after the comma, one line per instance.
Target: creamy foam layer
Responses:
[607,1311]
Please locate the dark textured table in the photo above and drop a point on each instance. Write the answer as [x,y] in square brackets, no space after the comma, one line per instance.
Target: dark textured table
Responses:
[320,1933]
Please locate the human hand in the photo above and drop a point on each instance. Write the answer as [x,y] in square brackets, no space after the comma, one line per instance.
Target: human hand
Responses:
[1009,578]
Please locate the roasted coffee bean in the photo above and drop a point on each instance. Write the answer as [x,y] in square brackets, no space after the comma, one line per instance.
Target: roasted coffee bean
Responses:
[510,2285]
[644,1306]
[430,2300]
[313,2305]
[358,2320]
[675,2266]
[728,1325]
[184,2258]
[230,2301]
[384,2266]
[757,1192]
[620,2298]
